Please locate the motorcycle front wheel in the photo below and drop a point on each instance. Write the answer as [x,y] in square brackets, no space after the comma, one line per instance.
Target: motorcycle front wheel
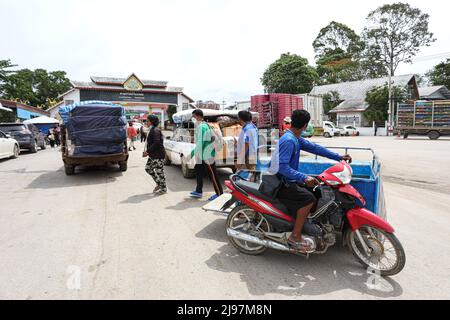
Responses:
[247,220]
[384,255]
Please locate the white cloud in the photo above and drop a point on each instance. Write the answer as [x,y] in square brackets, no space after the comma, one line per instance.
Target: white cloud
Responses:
[215,49]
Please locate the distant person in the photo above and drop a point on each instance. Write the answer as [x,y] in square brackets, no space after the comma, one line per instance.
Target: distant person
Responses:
[57,135]
[376,130]
[286,125]
[204,154]
[156,154]
[144,131]
[132,135]
[51,137]
[247,147]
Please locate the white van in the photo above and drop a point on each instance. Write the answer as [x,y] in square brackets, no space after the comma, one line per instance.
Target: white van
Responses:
[330,130]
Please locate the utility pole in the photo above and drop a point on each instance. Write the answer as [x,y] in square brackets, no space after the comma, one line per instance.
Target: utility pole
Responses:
[224,103]
[390,111]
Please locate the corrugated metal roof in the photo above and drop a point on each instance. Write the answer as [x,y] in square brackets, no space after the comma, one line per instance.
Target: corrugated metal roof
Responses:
[356,90]
[434,92]
[351,105]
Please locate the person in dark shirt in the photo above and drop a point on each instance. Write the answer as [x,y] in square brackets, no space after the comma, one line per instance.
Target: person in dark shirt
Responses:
[285,162]
[156,154]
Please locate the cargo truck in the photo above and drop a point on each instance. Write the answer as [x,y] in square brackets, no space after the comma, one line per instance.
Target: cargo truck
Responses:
[94,133]
[425,118]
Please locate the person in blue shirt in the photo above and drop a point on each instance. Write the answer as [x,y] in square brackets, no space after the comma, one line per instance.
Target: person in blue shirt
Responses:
[285,162]
[247,147]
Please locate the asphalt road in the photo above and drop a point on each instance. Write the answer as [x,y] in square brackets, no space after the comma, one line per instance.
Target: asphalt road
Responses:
[102,234]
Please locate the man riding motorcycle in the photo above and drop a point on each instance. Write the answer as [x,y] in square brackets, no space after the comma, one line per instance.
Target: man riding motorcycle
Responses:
[298,199]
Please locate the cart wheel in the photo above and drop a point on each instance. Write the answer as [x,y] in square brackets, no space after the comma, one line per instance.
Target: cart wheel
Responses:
[70,170]
[123,166]
[187,173]
[434,135]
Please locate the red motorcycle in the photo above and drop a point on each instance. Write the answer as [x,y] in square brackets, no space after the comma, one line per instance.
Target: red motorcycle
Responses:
[260,222]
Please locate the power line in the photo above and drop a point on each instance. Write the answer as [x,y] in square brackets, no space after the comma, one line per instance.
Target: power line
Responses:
[432,57]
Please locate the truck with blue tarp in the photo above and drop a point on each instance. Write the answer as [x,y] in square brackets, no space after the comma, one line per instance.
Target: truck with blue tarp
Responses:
[94,133]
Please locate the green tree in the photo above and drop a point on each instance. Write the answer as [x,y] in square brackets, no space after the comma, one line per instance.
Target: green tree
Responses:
[339,56]
[394,34]
[337,38]
[440,74]
[337,48]
[291,73]
[330,101]
[37,88]
[4,72]
[378,101]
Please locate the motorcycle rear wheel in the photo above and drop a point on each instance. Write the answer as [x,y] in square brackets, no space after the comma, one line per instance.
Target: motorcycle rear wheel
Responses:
[245,219]
[377,241]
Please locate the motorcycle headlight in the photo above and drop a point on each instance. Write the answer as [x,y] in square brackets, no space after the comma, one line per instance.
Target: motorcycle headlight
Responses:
[344,176]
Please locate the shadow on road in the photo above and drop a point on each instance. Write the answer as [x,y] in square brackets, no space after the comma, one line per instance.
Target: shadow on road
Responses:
[140,198]
[286,274]
[83,177]
[187,203]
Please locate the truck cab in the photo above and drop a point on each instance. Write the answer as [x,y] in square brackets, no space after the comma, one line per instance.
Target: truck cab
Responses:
[330,130]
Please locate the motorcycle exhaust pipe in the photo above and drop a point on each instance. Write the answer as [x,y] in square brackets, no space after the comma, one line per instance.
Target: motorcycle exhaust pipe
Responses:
[252,239]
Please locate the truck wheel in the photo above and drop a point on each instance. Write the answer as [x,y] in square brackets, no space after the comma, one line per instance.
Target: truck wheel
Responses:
[187,173]
[123,166]
[434,135]
[70,169]
[167,161]
[33,148]
[327,135]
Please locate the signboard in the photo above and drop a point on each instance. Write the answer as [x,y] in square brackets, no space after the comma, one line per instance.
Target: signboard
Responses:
[129,96]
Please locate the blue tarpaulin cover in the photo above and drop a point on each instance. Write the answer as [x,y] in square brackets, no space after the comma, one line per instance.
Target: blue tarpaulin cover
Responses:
[95,127]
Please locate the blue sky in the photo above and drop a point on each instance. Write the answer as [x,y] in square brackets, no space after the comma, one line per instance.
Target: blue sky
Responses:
[215,49]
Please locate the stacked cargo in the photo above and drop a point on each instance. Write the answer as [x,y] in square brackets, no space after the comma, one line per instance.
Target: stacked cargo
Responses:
[424,113]
[273,108]
[94,128]
[430,118]
[442,114]
[405,115]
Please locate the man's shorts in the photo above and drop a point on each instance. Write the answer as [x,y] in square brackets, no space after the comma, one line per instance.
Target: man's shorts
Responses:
[295,197]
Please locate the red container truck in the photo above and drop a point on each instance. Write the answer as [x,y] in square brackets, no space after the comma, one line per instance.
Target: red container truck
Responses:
[273,108]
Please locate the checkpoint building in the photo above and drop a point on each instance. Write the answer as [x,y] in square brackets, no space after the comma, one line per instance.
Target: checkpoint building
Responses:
[139,97]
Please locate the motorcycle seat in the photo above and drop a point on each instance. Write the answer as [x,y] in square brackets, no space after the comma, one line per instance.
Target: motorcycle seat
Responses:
[253,188]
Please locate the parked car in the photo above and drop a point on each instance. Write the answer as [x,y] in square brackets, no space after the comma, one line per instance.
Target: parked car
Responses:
[27,135]
[330,130]
[9,147]
[350,131]
[180,145]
